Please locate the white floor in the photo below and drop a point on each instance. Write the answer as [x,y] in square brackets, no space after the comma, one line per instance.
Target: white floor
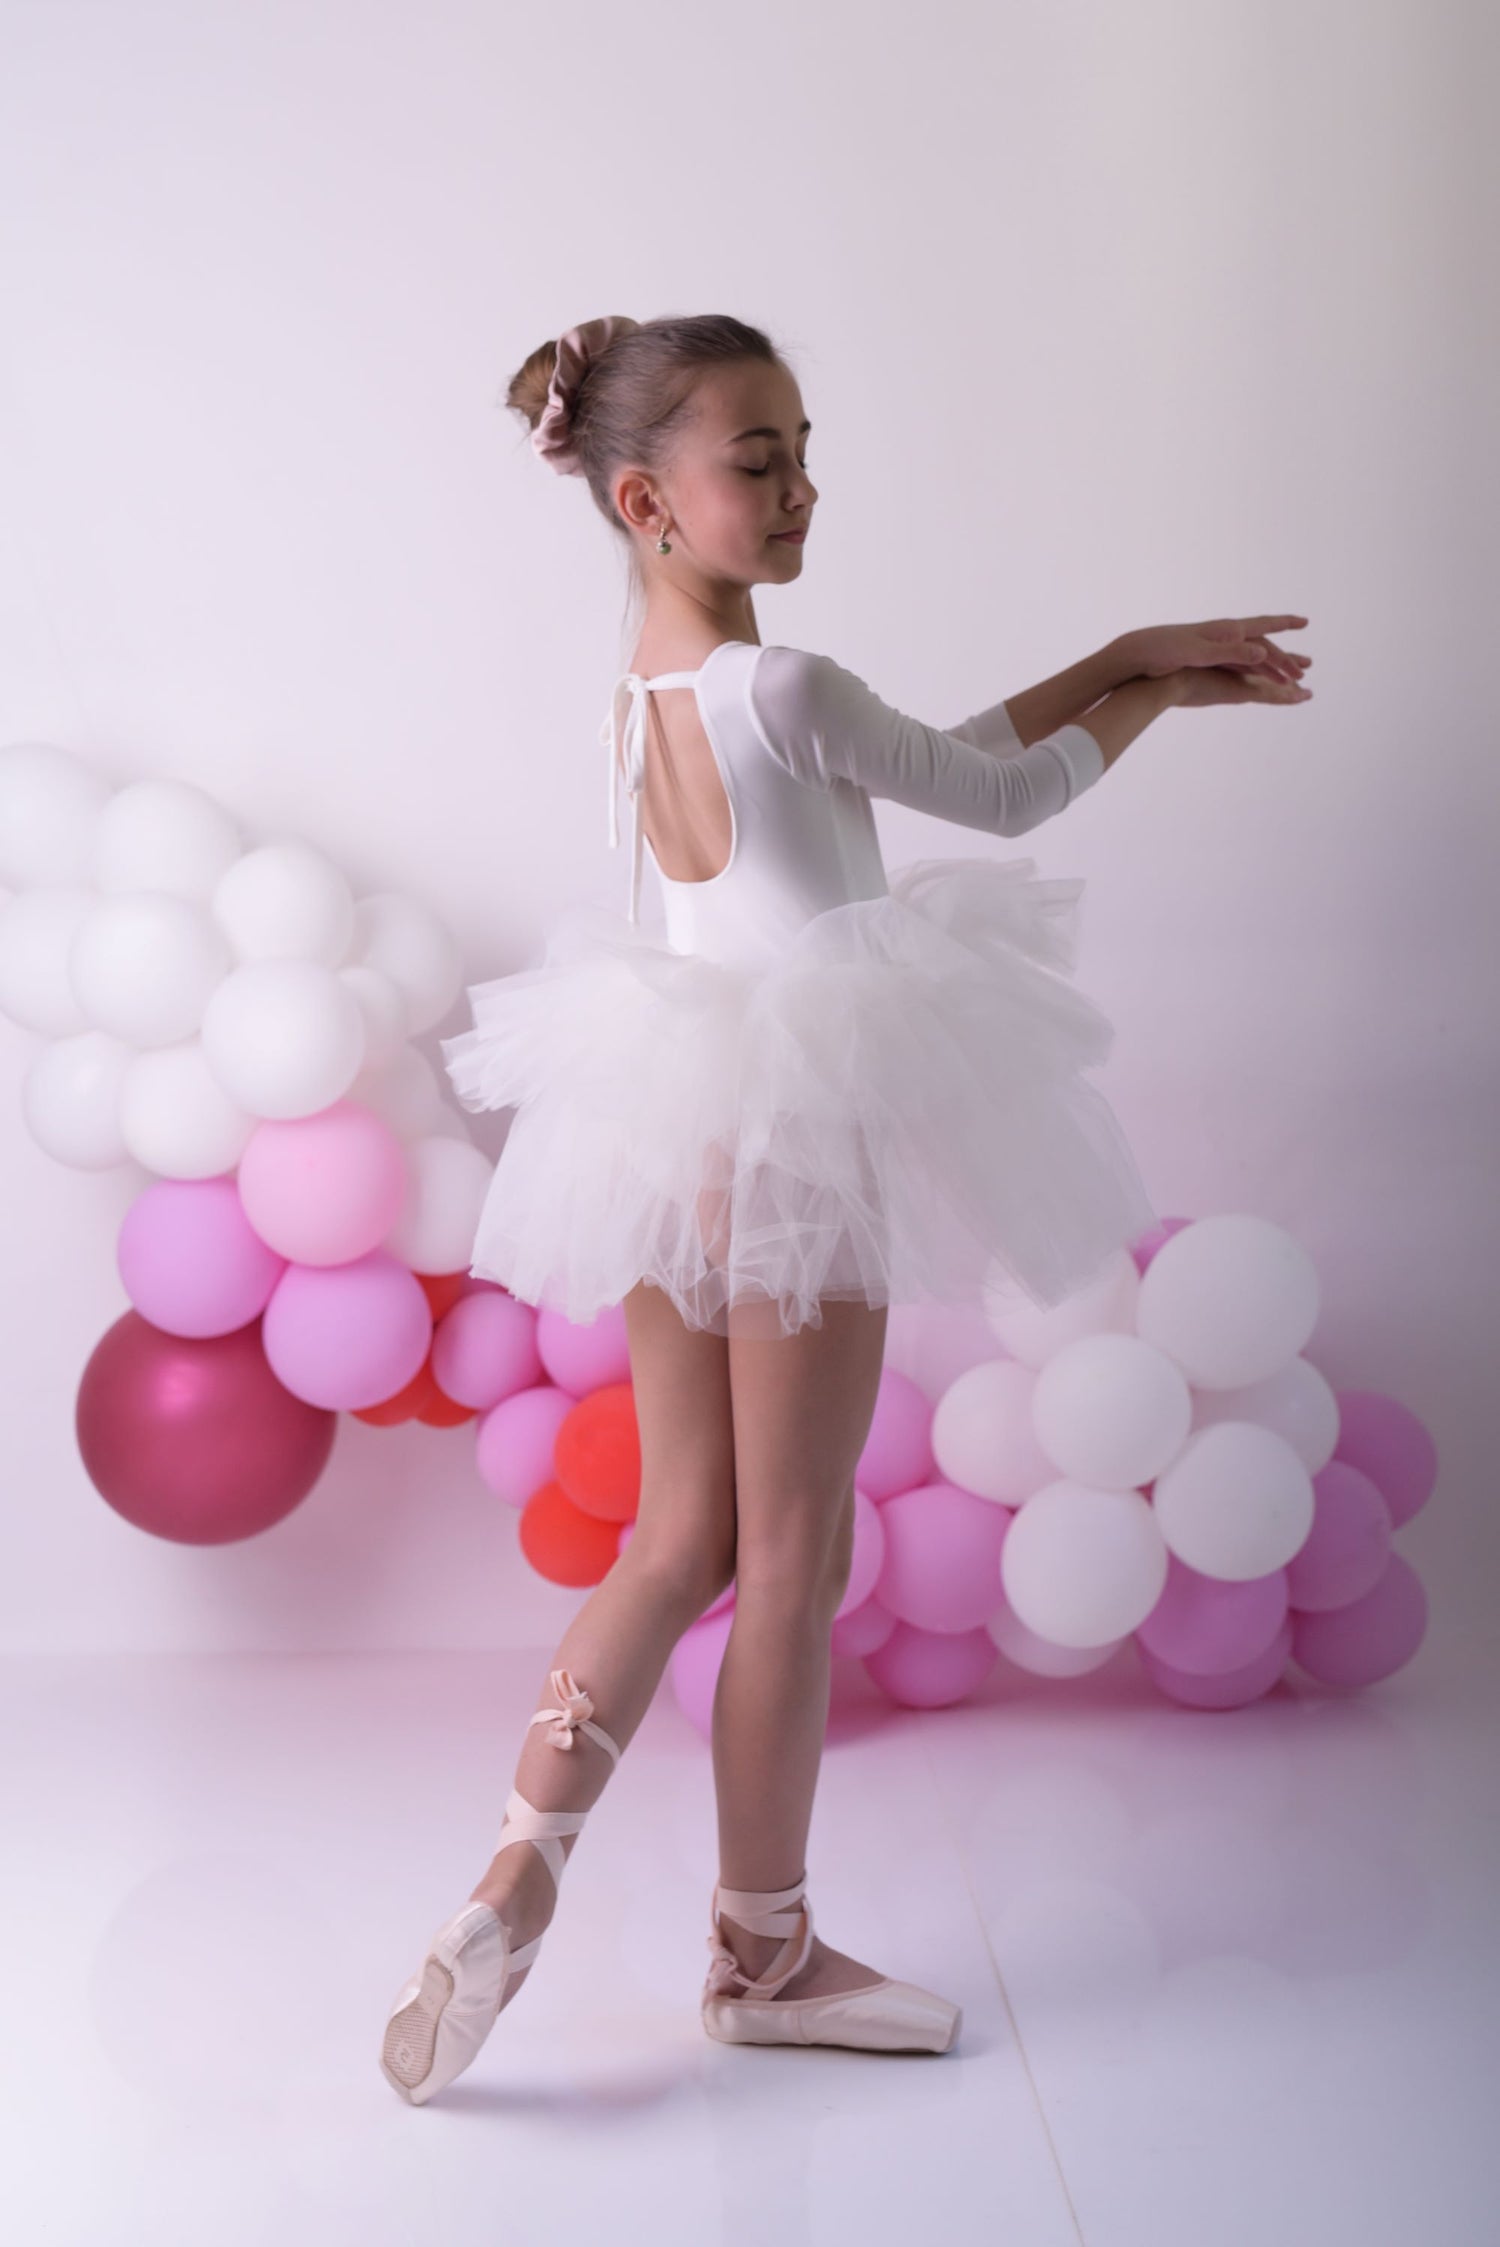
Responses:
[1229,1981]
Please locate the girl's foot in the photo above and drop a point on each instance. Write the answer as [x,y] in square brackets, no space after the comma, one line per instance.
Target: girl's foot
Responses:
[521,1891]
[828,1973]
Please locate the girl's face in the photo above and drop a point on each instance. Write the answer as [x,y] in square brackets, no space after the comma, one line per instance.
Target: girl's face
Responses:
[738,479]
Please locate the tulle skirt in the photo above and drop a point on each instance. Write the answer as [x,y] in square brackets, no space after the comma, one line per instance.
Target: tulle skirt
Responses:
[891,1110]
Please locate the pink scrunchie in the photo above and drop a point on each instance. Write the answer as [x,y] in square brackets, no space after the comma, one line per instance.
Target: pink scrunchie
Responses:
[553,434]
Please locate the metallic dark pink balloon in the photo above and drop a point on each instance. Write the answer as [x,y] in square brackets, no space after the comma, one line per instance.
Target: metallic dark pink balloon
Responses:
[196,1440]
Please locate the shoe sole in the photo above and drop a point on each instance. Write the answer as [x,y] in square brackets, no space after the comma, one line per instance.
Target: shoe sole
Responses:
[827,2043]
[410,2040]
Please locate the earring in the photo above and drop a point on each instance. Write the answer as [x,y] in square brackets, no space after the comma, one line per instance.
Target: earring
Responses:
[662,546]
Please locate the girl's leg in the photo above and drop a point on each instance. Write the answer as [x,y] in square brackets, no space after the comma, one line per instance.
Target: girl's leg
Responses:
[802,1410]
[679,1558]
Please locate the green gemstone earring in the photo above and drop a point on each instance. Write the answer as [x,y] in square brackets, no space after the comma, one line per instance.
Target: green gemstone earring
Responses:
[661,545]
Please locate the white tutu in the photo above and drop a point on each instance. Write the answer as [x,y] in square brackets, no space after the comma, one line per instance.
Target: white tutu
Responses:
[885,1111]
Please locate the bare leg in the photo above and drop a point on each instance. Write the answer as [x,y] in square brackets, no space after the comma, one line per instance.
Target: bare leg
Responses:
[802,1410]
[679,1558]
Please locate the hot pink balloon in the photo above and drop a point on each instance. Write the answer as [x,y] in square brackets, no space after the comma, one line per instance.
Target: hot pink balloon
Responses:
[327,1188]
[195,1439]
[931,1669]
[898,1449]
[485,1349]
[583,1358]
[1208,1624]
[191,1261]
[348,1335]
[1222,1689]
[1370,1638]
[941,1569]
[514,1442]
[1343,1555]
[1386,1441]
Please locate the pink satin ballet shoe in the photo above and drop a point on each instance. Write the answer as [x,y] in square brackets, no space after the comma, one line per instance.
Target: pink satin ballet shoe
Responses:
[444,2013]
[884,2016]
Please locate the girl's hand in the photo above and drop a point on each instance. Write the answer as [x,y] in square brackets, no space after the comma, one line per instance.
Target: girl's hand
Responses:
[1232,643]
[1197,687]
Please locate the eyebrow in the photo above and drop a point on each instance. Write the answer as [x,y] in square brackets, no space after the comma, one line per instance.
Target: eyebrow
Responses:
[744,433]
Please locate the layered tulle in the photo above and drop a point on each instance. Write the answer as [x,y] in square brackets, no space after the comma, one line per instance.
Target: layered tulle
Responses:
[886,1111]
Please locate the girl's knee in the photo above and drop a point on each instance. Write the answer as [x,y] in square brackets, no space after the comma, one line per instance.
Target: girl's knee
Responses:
[693,1571]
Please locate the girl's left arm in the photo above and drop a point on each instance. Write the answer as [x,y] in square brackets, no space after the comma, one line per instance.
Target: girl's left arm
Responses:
[1225,643]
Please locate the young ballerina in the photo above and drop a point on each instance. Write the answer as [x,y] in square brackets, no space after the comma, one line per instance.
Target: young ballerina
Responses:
[825,1090]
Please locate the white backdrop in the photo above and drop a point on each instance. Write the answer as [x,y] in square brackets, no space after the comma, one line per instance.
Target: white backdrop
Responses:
[1103,316]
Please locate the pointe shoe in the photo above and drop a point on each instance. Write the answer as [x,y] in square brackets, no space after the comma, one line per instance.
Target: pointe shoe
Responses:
[884,2016]
[444,2013]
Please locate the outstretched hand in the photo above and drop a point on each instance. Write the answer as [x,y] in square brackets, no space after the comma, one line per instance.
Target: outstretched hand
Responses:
[1227,659]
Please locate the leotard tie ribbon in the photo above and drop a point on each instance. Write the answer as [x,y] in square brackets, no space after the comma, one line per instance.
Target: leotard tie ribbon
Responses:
[627,759]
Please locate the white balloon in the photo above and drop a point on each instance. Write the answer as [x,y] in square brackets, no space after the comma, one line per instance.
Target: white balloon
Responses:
[1083,1566]
[1105,1304]
[410,945]
[1298,1404]
[405,1093]
[384,1011]
[49,804]
[1236,1502]
[284,1037]
[144,966]
[164,835]
[435,1231]
[286,901]
[1043,1657]
[36,936]
[1232,1298]
[1111,1411]
[177,1118]
[982,1434]
[70,1099]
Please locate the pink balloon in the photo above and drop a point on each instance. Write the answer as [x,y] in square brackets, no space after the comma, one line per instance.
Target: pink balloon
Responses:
[869,1554]
[1209,1625]
[898,1449]
[485,1349]
[191,1261]
[514,1441]
[1150,1244]
[1343,1555]
[695,1663]
[1387,1442]
[349,1335]
[583,1358]
[195,1439]
[1370,1638]
[1222,1689]
[941,1569]
[326,1188]
[931,1669]
[863,1629]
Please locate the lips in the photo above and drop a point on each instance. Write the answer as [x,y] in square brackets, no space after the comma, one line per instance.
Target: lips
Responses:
[793,538]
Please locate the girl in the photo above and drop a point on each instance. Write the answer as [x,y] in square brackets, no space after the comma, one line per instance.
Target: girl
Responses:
[828,1090]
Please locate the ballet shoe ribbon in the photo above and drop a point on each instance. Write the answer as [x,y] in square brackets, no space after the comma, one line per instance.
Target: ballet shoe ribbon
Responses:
[576,1708]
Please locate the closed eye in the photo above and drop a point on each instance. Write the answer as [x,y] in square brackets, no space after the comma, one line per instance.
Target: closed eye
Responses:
[766,470]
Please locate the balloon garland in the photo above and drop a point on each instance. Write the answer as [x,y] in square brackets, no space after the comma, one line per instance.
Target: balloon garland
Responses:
[1153,1461]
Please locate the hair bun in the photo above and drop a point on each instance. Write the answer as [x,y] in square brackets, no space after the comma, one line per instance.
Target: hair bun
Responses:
[576,352]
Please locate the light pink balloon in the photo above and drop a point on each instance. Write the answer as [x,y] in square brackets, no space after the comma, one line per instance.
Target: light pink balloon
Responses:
[869,1554]
[327,1188]
[1343,1555]
[1369,1639]
[941,1569]
[191,1261]
[583,1358]
[485,1349]
[1149,1244]
[1222,1689]
[1209,1624]
[898,1449]
[695,1663]
[348,1335]
[1386,1441]
[514,1441]
[863,1629]
[931,1669]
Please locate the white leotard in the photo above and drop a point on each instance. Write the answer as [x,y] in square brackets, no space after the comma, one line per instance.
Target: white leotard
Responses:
[801,746]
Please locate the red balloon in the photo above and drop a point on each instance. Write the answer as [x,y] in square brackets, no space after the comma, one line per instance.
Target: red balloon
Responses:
[196,1440]
[597,1455]
[562,1542]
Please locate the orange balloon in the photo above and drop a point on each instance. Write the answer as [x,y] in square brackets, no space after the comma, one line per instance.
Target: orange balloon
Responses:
[564,1544]
[597,1455]
[404,1405]
[442,1290]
